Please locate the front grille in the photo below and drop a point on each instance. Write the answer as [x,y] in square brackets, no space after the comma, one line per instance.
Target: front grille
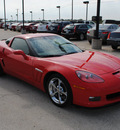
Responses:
[113,96]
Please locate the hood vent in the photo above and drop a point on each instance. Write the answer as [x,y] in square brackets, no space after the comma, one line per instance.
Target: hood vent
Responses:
[116,72]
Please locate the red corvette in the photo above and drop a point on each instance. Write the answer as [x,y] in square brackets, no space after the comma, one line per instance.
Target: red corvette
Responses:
[60,68]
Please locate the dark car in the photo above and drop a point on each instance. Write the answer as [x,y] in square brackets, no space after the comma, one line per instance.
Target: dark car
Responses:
[77,30]
[114,39]
[57,27]
[104,30]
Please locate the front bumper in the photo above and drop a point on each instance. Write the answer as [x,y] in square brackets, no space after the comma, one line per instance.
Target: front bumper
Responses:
[98,94]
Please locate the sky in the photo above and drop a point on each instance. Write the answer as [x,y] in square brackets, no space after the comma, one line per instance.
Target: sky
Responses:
[109,9]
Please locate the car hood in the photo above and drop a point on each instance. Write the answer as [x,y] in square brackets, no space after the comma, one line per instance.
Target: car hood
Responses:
[95,62]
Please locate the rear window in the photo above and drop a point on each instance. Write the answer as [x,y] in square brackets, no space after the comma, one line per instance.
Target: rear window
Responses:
[70,26]
[55,24]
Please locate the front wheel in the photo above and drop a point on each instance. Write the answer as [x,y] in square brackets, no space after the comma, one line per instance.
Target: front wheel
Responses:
[114,47]
[59,90]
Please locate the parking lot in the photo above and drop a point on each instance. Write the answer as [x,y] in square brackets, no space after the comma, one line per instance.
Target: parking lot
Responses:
[24,107]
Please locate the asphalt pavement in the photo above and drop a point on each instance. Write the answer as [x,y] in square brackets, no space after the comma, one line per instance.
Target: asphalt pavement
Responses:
[24,107]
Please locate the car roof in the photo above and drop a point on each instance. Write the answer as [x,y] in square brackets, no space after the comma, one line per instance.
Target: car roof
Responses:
[73,24]
[80,24]
[32,35]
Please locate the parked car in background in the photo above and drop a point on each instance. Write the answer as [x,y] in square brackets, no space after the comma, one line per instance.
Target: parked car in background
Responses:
[19,27]
[90,23]
[1,24]
[27,26]
[9,25]
[33,28]
[104,30]
[77,30]
[111,21]
[43,27]
[13,26]
[113,39]
[57,27]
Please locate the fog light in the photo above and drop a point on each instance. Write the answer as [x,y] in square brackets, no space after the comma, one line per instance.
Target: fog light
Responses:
[94,98]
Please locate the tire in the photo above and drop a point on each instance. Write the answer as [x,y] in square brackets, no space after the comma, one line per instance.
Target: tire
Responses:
[90,42]
[81,36]
[1,71]
[59,90]
[114,47]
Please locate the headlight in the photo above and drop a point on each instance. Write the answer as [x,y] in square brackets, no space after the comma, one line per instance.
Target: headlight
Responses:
[89,77]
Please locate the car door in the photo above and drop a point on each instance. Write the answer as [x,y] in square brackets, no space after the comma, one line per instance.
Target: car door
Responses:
[17,65]
[82,29]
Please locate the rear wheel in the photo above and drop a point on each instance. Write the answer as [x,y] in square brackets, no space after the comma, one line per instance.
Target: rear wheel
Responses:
[114,47]
[90,41]
[82,36]
[59,90]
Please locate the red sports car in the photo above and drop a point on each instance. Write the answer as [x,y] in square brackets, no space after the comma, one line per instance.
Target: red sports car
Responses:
[58,67]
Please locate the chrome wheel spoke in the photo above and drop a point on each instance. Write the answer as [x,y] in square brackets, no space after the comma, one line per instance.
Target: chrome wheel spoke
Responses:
[59,82]
[64,93]
[53,85]
[53,94]
[60,100]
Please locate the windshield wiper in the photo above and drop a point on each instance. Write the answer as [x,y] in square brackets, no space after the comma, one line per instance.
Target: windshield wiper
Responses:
[71,53]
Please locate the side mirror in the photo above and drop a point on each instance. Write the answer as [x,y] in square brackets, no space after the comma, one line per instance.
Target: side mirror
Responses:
[20,52]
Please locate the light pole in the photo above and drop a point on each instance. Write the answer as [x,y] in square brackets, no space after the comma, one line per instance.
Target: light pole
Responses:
[96,41]
[72,11]
[59,11]
[17,15]
[23,29]
[86,2]
[11,17]
[5,28]
[31,16]
[43,13]
[98,18]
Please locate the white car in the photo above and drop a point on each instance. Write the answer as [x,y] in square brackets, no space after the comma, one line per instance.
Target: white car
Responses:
[43,27]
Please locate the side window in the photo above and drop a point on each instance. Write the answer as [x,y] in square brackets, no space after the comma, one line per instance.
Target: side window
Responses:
[115,26]
[20,44]
[88,26]
[111,27]
[82,26]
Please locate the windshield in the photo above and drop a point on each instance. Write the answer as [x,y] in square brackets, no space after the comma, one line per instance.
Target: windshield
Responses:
[49,46]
